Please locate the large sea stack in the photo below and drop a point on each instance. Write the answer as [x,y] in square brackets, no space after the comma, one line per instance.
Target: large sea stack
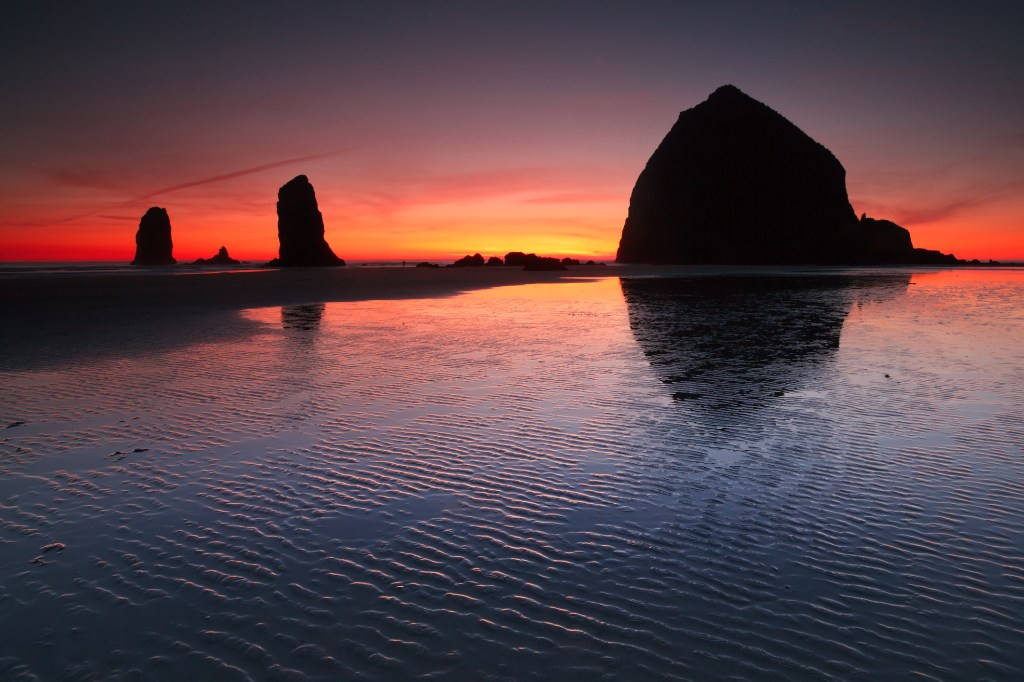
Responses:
[300,227]
[734,182]
[153,240]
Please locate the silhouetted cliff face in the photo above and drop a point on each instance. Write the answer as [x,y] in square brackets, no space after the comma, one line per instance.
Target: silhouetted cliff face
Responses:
[735,182]
[300,227]
[153,240]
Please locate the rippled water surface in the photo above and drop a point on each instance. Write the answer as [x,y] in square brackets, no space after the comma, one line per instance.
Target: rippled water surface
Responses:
[801,477]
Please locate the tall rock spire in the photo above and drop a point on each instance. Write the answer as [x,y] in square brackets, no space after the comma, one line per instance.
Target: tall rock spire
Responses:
[300,227]
[153,240]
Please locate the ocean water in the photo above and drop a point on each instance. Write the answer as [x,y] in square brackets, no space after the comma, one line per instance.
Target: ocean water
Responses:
[799,477]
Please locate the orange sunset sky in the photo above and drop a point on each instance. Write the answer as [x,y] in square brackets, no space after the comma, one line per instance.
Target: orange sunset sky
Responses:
[432,130]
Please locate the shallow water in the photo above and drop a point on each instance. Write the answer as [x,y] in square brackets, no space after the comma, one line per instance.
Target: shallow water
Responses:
[814,477]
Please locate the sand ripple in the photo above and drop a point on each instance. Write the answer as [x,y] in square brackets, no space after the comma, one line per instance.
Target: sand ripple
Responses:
[507,485]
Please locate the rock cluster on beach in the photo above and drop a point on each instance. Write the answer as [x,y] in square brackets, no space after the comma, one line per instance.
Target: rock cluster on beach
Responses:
[222,258]
[153,240]
[734,182]
[474,261]
[531,261]
[527,261]
[300,227]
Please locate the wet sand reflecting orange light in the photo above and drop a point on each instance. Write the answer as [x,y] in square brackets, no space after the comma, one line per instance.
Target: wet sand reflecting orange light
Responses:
[797,475]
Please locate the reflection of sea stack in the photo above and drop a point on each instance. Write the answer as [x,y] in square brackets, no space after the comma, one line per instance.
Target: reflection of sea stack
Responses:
[153,240]
[727,341]
[735,182]
[222,258]
[300,227]
[305,317]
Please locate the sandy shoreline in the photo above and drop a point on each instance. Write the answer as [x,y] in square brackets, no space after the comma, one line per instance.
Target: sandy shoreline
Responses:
[68,318]
[48,301]
[220,290]
[390,476]
[95,312]
[394,478]
[43,296]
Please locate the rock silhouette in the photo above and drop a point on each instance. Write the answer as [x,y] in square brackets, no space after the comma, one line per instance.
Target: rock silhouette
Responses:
[518,258]
[153,240]
[474,261]
[885,239]
[735,182]
[222,258]
[300,227]
[544,263]
[531,261]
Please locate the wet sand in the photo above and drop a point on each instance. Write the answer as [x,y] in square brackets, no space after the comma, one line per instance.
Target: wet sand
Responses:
[151,309]
[226,290]
[583,479]
[183,289]
[108,314]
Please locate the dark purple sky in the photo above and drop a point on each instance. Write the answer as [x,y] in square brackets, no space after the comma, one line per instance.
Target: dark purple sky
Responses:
[437,128]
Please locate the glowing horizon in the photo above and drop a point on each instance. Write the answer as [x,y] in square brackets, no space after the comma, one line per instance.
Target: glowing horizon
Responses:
[432,130]
[580,226]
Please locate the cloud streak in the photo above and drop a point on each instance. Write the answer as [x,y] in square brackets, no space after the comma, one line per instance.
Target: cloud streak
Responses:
[84,180]
[241,173]
[937,211]
[198,183]
[529,185]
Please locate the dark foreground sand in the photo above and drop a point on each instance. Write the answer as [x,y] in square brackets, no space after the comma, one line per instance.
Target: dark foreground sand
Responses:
[70,317]
[84,299]
[200,291]
[55,317]
[28,299]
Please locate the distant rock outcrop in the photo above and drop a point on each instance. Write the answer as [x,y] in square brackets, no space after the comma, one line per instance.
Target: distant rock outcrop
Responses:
[531,261]
[527,261]
[153,240]
[474,261]
[544,263]
[300,227]
[222,258]
[735,182]
[517,258]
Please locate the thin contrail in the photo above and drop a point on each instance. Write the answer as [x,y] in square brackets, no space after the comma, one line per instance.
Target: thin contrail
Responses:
[235,174]
[207,181]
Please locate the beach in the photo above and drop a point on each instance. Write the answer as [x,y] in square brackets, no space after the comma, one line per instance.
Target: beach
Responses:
[106,311]
[772,473]
[294,386]
[198,289]
[192,288]
[103,312]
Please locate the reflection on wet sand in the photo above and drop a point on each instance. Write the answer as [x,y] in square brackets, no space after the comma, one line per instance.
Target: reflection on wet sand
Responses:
[720,342]
[302,317]
[497,483]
